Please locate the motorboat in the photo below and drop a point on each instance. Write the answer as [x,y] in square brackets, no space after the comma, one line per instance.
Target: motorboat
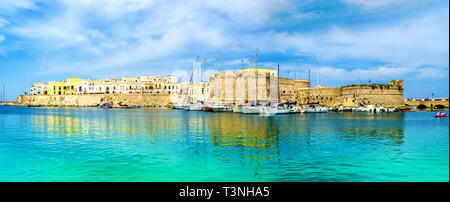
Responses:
[270,111]
[316,110]
[195,108]
[178,106]
[237,109]
[441,114]
[251,110]
[222,109]
[297,110]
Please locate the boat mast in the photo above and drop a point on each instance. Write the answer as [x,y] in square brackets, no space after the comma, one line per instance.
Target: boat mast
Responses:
[318,92]
[242,83]
[256,86]
[204,80]
[359,92]
[278,85]
[198,78]
[309,91]
[186,94]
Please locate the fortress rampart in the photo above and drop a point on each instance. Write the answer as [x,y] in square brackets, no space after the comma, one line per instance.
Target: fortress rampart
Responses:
[386,95]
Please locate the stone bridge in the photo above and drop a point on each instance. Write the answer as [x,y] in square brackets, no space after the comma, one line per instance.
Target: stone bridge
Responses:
[432,103]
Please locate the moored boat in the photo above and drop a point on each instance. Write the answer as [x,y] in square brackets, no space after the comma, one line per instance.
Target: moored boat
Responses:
[270,111]
[237,109]
[207,109]
[316,110]
[105,105]
[441,114]
[250,110]
[195,108]
[222,108]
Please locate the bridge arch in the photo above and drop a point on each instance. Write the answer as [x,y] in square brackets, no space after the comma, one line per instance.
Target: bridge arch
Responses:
[421,106]
[440,106]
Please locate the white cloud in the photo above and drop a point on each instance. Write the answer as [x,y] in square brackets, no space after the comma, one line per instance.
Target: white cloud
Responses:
[369,4]
[413,42]
[162,30]
[112,37]
[3,22]
[13,5]
[381,73]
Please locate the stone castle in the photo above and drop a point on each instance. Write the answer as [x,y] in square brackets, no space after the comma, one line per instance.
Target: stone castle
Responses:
[386,95]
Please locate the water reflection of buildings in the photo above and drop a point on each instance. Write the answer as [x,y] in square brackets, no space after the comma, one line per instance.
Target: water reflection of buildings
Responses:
[258,137]
[101,124]
[255,143]
[269,137]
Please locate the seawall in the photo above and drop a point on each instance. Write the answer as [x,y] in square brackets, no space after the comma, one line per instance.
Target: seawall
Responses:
[94,99]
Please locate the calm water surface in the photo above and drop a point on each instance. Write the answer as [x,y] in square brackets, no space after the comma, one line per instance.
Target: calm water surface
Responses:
[75,144]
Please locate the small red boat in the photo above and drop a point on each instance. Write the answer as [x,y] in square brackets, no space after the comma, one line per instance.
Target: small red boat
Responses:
[441,115]
[207,109]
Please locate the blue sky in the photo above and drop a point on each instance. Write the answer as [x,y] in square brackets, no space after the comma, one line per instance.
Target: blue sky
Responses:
[351,40]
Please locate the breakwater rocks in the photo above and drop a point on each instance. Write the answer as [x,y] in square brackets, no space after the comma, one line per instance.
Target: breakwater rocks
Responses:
[94,99]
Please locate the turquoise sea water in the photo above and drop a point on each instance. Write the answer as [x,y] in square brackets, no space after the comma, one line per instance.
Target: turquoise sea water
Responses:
[77,144]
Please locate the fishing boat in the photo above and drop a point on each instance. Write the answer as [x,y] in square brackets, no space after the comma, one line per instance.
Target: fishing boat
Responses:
[207,109]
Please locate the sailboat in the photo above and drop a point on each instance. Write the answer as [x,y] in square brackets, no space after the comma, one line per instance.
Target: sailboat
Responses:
[274,110]
[184,105]
[238,106]
[312,108]
[253,109]
[196,106]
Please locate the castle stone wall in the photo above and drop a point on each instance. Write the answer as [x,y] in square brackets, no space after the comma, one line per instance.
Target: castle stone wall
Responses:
[386,95]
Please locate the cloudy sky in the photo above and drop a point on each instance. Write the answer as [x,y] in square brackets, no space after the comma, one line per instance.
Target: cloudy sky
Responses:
[350,40]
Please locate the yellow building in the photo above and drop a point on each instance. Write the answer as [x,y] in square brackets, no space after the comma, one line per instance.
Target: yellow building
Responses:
[63,88]
[56,88]
[69,88]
